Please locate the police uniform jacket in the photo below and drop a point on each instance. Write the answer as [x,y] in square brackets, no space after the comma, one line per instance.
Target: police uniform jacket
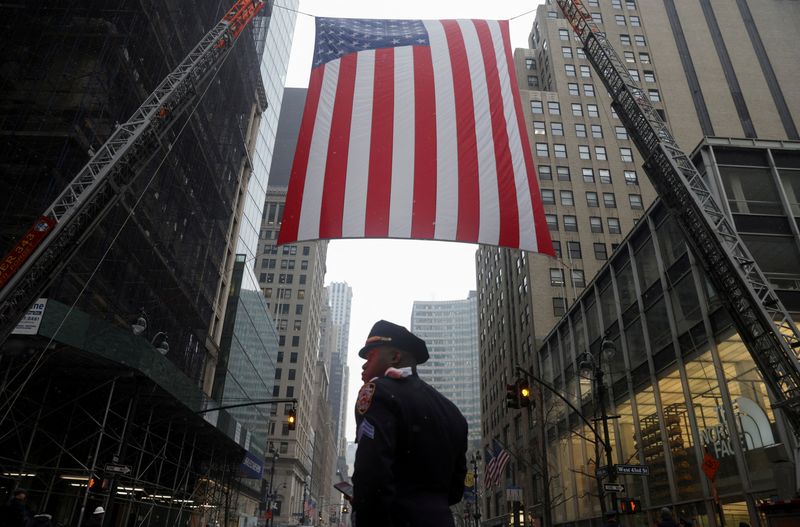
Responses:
[411,458]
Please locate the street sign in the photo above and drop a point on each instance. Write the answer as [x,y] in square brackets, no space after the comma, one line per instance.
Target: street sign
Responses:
[118,469]
[613,487]
[639,470]
[602,472]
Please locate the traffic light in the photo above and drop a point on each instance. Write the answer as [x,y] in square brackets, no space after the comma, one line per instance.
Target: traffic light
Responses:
[525,394]
[291,418]
[628,505]
[512,396]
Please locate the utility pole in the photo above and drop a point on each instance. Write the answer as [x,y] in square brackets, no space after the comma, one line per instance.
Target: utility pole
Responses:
[544,468]
[477,514]
[271,493]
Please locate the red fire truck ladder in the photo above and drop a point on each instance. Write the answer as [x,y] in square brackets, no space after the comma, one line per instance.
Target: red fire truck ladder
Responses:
[48,246]
[760,318]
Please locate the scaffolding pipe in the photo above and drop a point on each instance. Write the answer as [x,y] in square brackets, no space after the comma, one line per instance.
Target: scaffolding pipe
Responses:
[100,434]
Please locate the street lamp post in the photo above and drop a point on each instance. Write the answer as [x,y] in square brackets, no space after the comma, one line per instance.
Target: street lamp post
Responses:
[271,493]
[477,513]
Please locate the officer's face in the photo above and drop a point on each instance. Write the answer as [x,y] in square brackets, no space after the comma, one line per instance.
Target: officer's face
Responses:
[378,360]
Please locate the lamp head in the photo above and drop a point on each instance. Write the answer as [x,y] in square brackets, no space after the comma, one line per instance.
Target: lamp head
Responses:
[586,366]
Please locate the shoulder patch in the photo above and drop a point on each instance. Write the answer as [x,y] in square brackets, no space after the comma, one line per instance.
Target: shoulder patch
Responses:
[365,397]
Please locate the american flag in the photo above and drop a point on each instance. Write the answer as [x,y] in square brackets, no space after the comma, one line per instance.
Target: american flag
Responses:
[497,458]
[414,129]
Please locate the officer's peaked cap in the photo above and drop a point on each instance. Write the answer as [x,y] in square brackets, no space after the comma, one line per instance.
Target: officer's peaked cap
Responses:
[385,333]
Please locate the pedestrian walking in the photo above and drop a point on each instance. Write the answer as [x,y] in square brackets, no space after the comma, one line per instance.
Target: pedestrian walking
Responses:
[96,519]
[412,441]
[666,518]
[16,513]
[42,520]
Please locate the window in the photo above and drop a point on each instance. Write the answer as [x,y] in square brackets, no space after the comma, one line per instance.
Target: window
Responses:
[572,87]
[563,34]
[634,74]
[654,95]
[306,250]
[588,90]
[595,224]
[298,323]
[621,132]
[639,39]
[625,40]
[545,173]
[600,153]
[569,69]
[289,393]
[580,53]
[649,76]
[562,173]
[533,81]
[630,5]
[557,128]
[578,279]
[597,18]
[591,199]
[609,200]
[571,223]
[631,178]
[293,356]
[626,154]
[298,309]
[580,130]
[591,110]
[560,151]
[567,199]
[619,19]
[292,374]
[588,175]
[552,14]
[276,390]
[566,52]
[629,56]
[280,356]
[616,4]
[542,150]
[278,372]
[583,152]
[574,250]
[302,279]
[548,196]
[594,3]
[301,294]
[635,21]
[644,58]
[577,109]
[597,131]
[600,251]
[604,175]
[556,277]
[536,107]
[538,128]
[614,113]
[557,248]
[635,201]
[295,341]
[559,306]
[552,221]
[553,108]
[530,63]
[585,71]
[613,225]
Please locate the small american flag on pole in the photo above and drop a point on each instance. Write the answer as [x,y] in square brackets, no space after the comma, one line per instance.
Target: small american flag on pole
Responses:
[414,129]
[497,458]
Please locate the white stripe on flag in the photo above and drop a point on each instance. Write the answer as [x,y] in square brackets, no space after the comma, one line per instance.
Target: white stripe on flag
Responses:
[446,134]
[489,230]
[527,232]
[355,193]
[402,196]
[318,156]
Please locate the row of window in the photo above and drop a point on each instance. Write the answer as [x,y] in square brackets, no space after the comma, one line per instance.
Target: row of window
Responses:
[588,174]
[283,278]
[595,224]
[574,250]
[557,277]
[554,108]
[288,250]
[295,344]
[557,129]
[271,263]
[283,309]
[592,201]
[292,356]
[284,292]
[584,152]
[292,374]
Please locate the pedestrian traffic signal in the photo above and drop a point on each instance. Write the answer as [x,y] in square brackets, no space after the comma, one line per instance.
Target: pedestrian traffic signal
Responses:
[628,505]
[525,394]
[291,418]
[512,396]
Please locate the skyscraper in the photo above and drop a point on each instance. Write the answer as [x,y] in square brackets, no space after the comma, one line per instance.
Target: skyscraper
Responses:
[340,298]
[450,330]
[709,69]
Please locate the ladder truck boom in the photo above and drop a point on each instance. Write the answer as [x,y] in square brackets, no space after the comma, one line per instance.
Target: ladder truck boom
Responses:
[48,246]
[762,321]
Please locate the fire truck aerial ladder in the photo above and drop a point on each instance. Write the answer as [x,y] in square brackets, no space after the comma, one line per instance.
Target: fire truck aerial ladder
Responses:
[48,246]
[760,318]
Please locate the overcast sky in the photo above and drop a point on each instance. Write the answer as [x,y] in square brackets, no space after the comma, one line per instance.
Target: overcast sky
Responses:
[388,275]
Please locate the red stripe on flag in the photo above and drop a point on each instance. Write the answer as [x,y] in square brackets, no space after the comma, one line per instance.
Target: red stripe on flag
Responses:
[330,220]
[506,187]
[294,195]
[468,188]
[379,188]
[543,242]
[424,208]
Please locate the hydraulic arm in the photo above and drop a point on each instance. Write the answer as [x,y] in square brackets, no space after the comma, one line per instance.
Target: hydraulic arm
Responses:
[48,246]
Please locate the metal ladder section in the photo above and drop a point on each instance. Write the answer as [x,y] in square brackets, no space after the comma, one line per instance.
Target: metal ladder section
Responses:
[760,318]
[102,181]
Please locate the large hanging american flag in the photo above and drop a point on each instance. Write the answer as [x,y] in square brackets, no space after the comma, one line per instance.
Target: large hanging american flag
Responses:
[497,458]
[414,129]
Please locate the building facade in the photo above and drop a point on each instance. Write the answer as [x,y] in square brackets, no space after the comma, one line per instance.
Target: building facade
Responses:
[340,299]
[709,68]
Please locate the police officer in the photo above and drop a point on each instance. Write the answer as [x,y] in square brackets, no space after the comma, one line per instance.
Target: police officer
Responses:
[412,441]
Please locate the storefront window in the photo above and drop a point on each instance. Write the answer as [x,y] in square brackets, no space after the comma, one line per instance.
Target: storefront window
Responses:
[652,448]
[628,452]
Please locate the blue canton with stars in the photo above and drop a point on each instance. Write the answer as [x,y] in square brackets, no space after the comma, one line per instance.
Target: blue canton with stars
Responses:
[337,37]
